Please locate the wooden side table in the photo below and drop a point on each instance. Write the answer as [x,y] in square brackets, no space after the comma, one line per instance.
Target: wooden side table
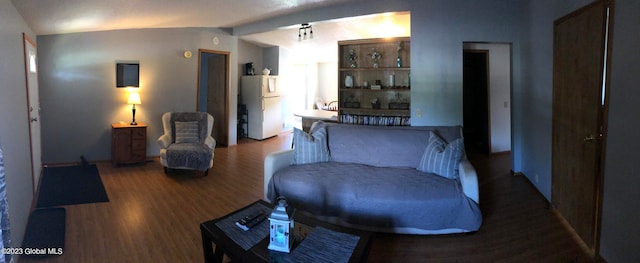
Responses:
[128,143]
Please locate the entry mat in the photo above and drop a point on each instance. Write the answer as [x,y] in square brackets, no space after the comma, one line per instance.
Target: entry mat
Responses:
[45,232]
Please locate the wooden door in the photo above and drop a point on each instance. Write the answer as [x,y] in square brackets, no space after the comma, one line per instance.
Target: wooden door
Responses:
[215,91]
[578,117]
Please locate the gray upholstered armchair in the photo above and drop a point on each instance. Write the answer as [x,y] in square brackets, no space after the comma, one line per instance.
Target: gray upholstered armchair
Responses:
[187,142]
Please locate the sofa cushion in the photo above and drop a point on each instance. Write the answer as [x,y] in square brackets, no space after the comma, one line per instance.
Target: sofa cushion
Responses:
[310,148]
[441,158]
[377,146]
[187,131]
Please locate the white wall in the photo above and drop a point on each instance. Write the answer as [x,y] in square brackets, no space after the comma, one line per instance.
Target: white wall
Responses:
[499,93]
[14,124]
[77,86]
[328,81]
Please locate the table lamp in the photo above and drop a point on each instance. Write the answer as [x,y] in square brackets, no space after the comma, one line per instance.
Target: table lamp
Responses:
[134,98]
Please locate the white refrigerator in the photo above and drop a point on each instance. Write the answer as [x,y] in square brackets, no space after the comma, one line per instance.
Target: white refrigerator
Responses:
[261,94]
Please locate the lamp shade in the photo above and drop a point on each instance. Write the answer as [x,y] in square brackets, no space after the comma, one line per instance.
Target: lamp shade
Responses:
[134,98]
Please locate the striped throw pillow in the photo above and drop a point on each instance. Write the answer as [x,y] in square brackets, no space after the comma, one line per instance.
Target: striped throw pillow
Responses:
[187,131]
[441,158]
[310,148]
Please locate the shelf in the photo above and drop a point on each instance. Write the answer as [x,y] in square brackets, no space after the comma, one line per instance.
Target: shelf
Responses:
[376,90]
[395,81]
[375,112]
[375,120]
[375,69]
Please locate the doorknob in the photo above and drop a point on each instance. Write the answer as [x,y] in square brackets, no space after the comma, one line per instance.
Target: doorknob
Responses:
[589,138]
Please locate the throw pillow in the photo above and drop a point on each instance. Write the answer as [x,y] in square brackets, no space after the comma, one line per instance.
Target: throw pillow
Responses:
[310,148]
[187,131]
[441,158]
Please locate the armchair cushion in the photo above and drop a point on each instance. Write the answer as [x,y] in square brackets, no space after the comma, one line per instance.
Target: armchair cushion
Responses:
[197,156]
[189,117]
[187,131]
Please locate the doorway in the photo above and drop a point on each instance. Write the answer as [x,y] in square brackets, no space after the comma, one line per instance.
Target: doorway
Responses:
[487,97]
[476,100]
[33,104]
[213,91]
[580,85]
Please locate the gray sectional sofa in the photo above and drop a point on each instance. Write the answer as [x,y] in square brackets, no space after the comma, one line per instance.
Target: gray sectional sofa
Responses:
[374,180]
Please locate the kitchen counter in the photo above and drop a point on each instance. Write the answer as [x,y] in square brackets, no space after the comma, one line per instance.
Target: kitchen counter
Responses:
[310,116]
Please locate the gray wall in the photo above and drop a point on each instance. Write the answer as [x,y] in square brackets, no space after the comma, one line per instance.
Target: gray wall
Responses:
[271,60]
[438,30]
[621,210]
[14,124]
[534,99]
[77,85]
[249,53]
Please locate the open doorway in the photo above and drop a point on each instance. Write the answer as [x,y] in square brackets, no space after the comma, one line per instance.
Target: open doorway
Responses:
[213,91]
[487,97]
[475,98]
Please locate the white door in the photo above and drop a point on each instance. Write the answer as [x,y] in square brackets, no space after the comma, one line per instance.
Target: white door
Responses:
[33,100]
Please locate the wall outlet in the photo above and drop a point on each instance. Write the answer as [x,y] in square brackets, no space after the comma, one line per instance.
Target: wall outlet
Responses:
[536,178]
[419,113]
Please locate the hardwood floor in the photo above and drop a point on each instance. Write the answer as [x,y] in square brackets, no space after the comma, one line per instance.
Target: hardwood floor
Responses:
[153,217]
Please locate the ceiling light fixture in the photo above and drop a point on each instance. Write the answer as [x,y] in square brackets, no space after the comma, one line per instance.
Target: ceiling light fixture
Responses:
[302,32]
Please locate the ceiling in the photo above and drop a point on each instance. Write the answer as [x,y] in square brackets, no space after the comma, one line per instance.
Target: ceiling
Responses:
[72,16]
[323,46]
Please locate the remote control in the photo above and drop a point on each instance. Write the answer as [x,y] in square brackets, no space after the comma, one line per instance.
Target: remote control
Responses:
[249,221]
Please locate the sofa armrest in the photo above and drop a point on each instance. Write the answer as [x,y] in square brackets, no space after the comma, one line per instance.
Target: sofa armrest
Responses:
[164,141]
[211,142]
[469,180]
[272,163]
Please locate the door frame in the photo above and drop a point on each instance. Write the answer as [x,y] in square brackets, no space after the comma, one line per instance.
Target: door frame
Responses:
[498,121]
[199,92]
[36,162]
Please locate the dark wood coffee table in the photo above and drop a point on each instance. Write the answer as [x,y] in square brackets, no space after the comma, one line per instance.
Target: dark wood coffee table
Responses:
[212,234]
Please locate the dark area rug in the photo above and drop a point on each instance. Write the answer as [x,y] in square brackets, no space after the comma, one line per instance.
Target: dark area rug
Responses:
[71,185]
[45,232]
